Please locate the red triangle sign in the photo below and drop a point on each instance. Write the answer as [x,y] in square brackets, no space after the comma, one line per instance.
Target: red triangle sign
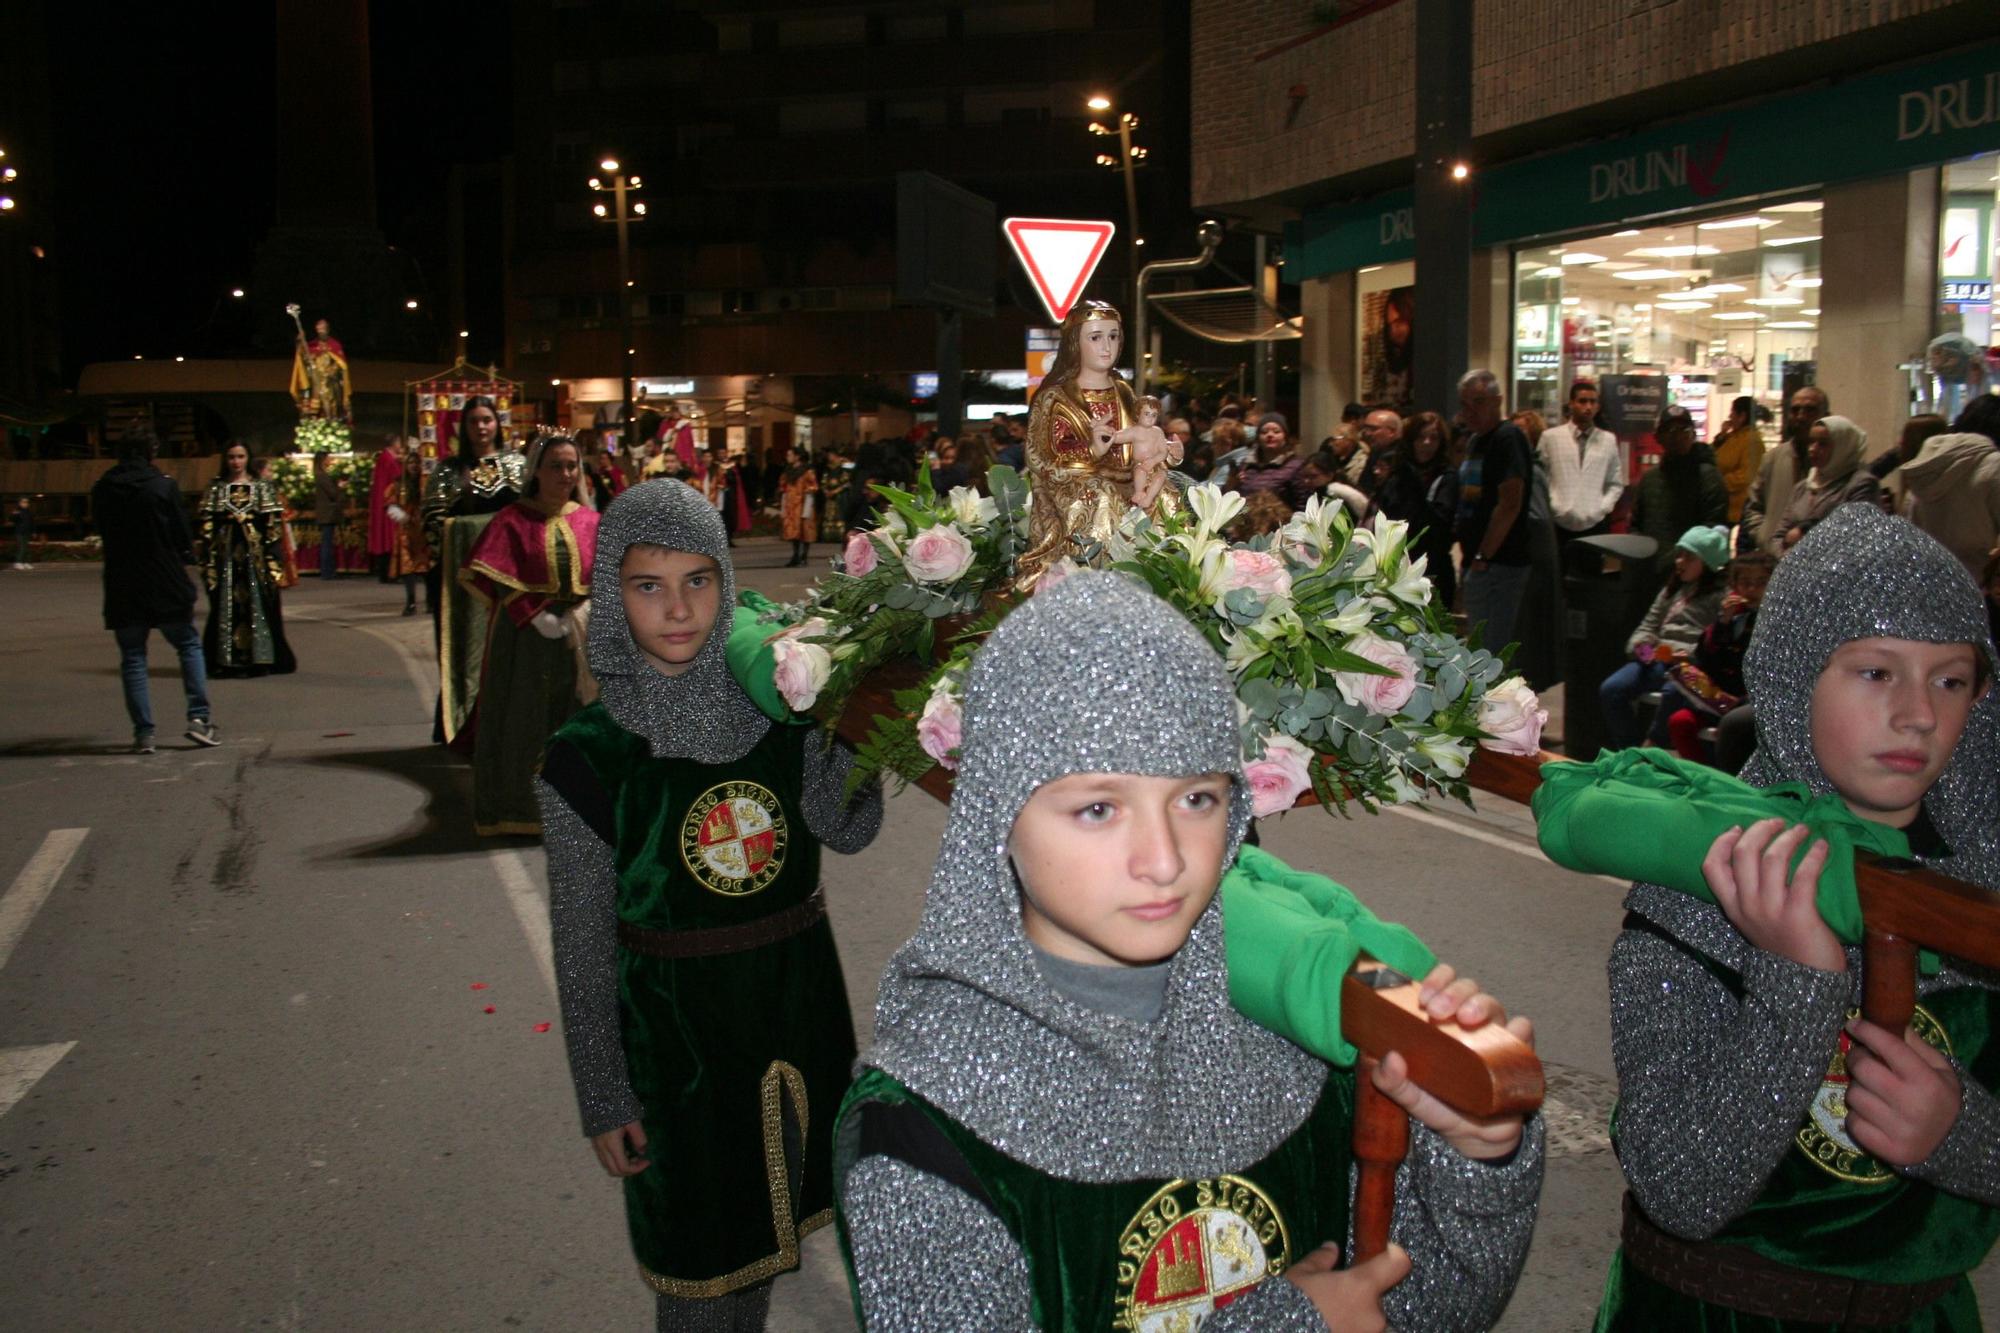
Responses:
[1060,254]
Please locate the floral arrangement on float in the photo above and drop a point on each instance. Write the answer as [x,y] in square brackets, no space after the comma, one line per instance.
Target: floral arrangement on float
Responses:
[1350,681]
[292,475]
[322,435]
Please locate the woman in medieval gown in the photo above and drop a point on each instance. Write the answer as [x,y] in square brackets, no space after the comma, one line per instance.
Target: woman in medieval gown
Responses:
[479,478]
[242,564]
[531,568]
[1088,458]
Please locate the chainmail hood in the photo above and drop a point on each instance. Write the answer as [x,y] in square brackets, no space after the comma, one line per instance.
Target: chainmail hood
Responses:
[1095,675]
[1860,574]
[701,714]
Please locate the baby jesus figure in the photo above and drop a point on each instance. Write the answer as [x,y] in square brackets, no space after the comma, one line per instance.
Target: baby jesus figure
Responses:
[1142,447]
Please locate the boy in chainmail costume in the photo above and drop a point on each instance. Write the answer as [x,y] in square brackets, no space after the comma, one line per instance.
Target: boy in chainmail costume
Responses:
[1791,1166]
[1064,1123]
[707,1023]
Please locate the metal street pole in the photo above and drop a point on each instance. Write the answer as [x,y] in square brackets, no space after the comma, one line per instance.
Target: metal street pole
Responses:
[625,314]
[1443,203]
[1126,122]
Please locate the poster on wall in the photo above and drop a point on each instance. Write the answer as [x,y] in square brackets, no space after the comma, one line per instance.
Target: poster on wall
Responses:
[1388,320]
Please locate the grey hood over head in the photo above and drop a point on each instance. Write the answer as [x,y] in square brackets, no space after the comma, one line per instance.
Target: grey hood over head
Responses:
[701,714]
[1095,675]
[1860,574]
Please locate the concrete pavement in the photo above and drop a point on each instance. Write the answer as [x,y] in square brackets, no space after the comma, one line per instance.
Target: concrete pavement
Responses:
[246,1079]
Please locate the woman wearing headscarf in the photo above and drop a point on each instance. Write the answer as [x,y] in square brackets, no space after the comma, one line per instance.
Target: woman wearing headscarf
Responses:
[1834,449]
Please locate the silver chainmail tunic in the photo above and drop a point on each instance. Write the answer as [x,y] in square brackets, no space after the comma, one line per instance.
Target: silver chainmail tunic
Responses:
[701,714]
[1097,675]
[1712,1088]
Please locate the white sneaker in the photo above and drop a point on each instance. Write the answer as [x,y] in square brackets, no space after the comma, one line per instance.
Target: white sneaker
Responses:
[202,732]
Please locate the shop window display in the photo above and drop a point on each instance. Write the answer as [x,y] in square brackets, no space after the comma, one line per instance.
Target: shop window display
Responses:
[1960,362]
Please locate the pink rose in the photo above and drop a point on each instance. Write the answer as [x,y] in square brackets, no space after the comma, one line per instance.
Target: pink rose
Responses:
[937,555]
[1280,777]
[1260,571]
[1055,573]
[859,558]
[941,727]
[1381,695]
[1512,718]
[800,671]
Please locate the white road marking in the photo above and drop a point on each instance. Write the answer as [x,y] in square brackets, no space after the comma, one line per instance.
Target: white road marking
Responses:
[23,1066]
[421,666]
[1515,845]
[525,897]
[31,887]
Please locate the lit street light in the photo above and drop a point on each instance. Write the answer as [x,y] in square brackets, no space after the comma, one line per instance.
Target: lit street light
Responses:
[236,292]
[623,211]
[1129,156]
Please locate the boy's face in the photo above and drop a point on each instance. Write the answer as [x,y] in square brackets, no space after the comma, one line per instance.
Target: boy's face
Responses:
[1886,715]
[1749,584]
[671,599]
[1116,867]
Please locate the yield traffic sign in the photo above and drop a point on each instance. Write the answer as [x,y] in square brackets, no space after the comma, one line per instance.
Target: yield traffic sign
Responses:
[1060,254]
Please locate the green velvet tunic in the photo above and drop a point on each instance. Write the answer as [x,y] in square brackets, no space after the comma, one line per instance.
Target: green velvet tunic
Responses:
[1831,1208]
[1128,1253]
[722,1050]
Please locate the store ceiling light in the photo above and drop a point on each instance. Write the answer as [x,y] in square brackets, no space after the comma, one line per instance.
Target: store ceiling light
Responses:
[1807,282]
[1673,251]
[1791,324]
[1810,310]
[1798,206]
[1572,300]
[1649,274]
[1683,305]
[1739,314]
[1629,231]
[1718,289]
[1616,266]
[1642,306]
[1582,257]
[1789,240]
[1774,300]
[1552,271]
[1733,224]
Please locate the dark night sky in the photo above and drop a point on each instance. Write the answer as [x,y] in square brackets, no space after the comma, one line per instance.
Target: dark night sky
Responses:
[164,144]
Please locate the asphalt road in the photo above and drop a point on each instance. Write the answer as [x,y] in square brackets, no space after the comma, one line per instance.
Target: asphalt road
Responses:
[247,1076]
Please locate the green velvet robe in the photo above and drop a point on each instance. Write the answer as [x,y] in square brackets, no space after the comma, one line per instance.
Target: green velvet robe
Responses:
[1831,1208]
[1114,1255]
[722,1050]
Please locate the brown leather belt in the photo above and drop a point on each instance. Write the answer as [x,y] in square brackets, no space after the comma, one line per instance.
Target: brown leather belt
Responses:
[712,940]
[1743,1280]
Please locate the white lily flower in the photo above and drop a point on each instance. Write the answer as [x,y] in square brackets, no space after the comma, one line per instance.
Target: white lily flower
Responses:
[1448,753]
[1214,571]
[1244,649]
[971,509]
[1402,791]
[892,523]
[1213,508]
[1410,586]
[1357,615]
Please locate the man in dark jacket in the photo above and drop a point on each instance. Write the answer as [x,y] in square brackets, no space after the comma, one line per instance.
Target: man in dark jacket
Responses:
[327,504]
[147,548]
[1684,491]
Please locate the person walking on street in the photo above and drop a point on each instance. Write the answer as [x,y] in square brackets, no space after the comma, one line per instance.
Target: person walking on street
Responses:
[1493,500]
[24,531]
[326,512]
[147,549]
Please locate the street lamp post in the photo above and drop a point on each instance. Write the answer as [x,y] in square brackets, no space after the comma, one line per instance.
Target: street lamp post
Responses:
[1129,157]
[622,211]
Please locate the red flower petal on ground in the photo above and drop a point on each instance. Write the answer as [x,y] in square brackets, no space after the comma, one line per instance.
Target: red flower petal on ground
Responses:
[541,1027]
[479,985]
[489,1008]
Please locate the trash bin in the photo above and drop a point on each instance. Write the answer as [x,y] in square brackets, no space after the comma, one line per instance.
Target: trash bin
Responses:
[1608,583]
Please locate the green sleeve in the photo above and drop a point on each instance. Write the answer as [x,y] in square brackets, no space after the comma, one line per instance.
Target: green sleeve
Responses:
[1291,938]
[1644,814]
[751,660]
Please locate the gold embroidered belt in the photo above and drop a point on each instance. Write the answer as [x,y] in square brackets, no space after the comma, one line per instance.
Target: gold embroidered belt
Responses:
[707,942]
[1743,1280]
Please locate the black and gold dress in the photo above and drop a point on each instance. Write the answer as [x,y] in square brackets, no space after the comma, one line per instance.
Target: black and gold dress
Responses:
[242,560]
